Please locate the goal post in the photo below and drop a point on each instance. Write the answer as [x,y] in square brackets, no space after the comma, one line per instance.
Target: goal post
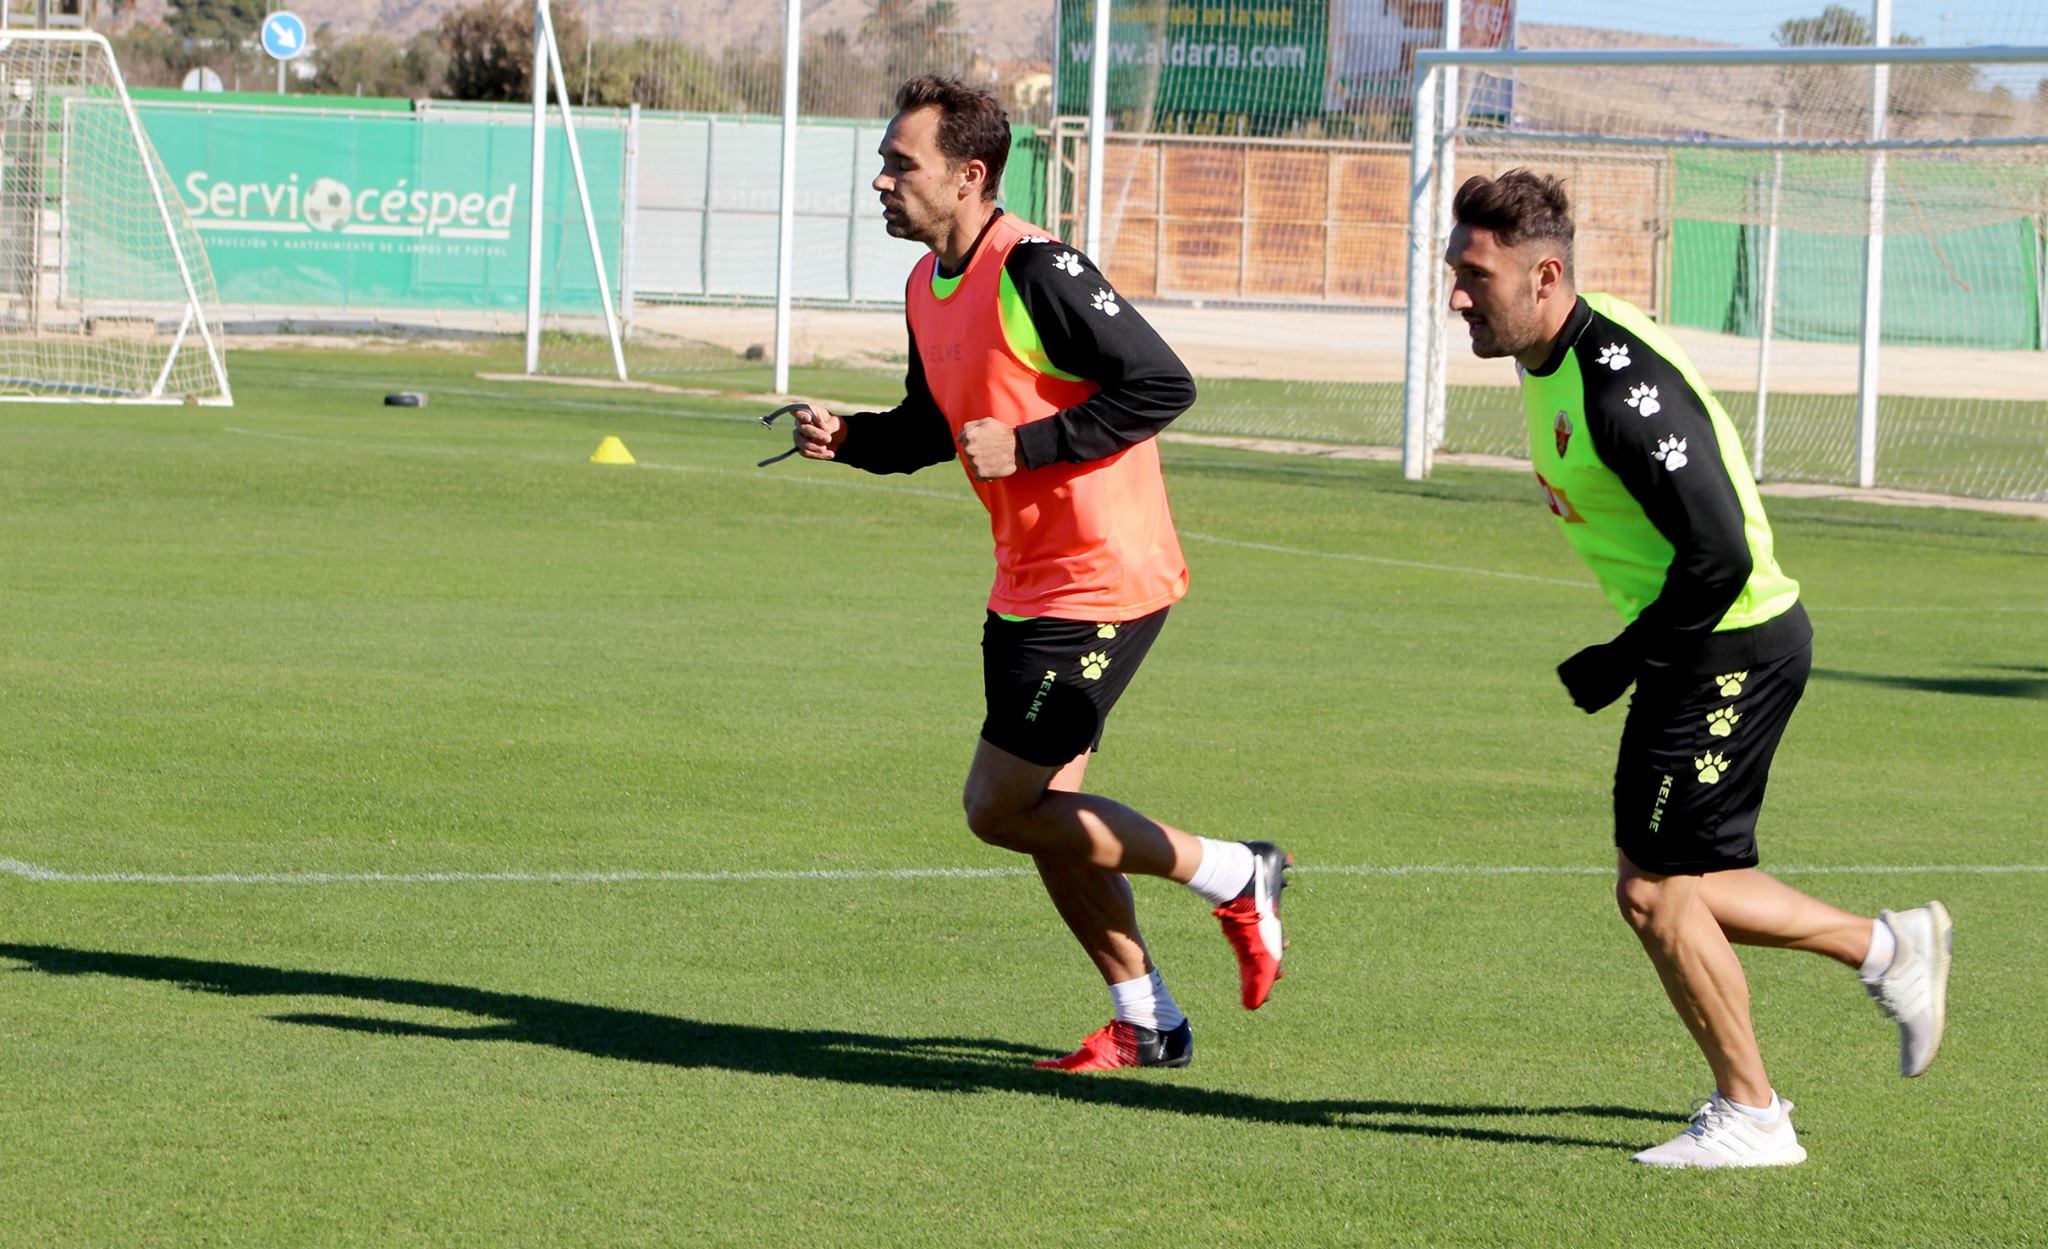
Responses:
[1872,213]
[547,70]
[105,291]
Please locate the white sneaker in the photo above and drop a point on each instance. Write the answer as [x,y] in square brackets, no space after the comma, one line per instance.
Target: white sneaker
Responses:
[1722,1136]
[1914,989]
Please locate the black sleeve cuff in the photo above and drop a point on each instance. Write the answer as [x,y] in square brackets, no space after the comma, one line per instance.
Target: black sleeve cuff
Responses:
[1038,443]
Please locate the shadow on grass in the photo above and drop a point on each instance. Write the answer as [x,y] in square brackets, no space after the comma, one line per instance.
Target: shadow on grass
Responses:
[934,1064]
[2030,687]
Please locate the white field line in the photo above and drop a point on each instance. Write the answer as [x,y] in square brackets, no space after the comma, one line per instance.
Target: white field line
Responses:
[52,876]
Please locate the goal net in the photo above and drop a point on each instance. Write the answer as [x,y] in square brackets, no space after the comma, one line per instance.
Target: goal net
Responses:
[1849,242]
[105,292]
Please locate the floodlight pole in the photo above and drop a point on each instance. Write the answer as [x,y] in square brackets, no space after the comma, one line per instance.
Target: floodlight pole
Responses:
[785,225]
[1768,323]
[1440,224]
[1873,256]
[1098,124]
[630,228]
[536,178]
[1422,309]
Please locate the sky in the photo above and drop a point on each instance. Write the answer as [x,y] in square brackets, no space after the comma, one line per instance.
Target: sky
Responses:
[1750,23]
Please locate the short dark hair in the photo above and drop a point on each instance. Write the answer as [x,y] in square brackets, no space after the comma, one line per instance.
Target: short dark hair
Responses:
[1519,206]
[972,123]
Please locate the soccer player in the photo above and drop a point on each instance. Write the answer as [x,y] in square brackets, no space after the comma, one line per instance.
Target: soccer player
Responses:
[1645,475]
[1047,385]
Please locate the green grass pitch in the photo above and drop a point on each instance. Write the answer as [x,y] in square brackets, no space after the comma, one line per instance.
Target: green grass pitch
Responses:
[314,635]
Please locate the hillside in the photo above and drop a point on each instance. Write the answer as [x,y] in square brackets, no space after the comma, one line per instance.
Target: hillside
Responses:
[1002,31]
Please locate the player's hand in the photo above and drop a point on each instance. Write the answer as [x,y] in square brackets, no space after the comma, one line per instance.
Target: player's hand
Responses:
[818,433]
[1598,675]
[990,447]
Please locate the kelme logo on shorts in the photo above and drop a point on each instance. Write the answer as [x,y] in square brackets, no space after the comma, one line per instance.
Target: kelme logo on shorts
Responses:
[1094,664]
[1038,699]
[1710,766]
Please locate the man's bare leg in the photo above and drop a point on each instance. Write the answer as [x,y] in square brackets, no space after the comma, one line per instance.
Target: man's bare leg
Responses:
[1907,974]
[1701,975]
[1096,903]
[1754,908]
[1010,803]
[1084,844]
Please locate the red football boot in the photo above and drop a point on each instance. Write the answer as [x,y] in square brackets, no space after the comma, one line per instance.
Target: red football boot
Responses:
[1251,923]
[1119,1044]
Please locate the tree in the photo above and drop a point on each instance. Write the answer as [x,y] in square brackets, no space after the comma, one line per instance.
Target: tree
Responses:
[1836,27]
[1917,91]
[216,22]
[377,64]
[489,48]
[857,87]
[909,38]
[151,56]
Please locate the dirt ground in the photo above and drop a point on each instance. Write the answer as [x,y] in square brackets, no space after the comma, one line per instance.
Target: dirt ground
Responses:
[1353,345]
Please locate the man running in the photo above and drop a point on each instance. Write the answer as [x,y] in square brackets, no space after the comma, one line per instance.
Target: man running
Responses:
[1048,387]
[1649,484]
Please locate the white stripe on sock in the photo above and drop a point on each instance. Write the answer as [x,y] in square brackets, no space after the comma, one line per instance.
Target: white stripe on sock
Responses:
[1225,869]
[1146,1003]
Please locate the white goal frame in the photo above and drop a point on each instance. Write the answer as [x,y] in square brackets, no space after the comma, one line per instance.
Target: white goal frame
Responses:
[1432,160]
[547,65]
[195,316]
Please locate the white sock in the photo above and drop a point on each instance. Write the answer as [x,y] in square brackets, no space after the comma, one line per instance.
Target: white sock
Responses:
[1146,1003]
[1225,869]
[1883,946]
[1762,1114]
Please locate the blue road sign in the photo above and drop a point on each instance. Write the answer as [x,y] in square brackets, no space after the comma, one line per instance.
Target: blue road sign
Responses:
[284,35]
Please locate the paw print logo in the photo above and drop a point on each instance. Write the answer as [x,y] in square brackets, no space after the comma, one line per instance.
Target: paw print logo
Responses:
[1710,767]
[1105,630]
[1069,262]
[1094,664]
[1731,683]
[1644,400]
[1105,303]
[1672,451]
[1615,356]
[1722,722]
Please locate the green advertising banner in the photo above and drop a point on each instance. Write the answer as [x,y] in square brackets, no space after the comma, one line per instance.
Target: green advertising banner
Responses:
[1265,58]
[359,210]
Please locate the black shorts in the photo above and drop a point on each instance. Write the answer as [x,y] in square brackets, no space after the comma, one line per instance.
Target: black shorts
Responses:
[1695,757]
[1051,683]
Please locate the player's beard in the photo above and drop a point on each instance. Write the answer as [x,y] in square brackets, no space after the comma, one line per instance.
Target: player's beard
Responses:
[1509,331]
[914,221]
